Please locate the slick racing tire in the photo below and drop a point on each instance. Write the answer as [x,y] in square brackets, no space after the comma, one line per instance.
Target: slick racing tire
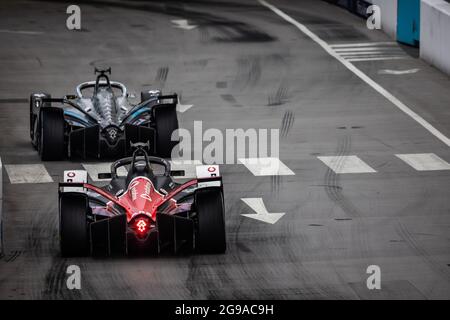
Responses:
[51,138]
[166,123]
[34,110]
[210,236]
[73,231]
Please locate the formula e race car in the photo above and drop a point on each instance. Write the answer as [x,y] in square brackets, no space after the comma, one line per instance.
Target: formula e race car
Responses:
[141,211]
[100,122]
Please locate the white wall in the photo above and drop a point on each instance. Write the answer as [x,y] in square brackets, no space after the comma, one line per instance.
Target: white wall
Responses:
[388,16]
[435,33]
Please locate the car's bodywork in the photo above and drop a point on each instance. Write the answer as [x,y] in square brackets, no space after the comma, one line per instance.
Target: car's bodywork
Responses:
[102,123]
[142,212]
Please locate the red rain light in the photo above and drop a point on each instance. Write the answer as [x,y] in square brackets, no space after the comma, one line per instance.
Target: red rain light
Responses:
[141,225]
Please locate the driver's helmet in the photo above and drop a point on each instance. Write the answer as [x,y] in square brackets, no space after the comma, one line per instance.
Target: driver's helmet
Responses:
[140,168]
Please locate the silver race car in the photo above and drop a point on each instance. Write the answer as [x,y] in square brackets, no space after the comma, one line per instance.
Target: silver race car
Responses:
[100,122]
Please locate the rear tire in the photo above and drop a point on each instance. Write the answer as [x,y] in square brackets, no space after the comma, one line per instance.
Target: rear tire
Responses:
[166,124]
[73,229]
[51,139]
[210,236]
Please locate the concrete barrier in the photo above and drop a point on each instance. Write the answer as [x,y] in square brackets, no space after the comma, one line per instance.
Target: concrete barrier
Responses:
[388,12]
[435,33]
[358,7]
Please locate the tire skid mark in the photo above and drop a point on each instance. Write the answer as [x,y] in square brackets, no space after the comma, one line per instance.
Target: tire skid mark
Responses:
[120,281]
[248,72]
[287,123]
[54,281]
[279,97]
[419,202]
[230,99]
[292,250]
[248,272]
[204,34]
[13,255]
[204,281]
[201,284]
[420,252]
[219,29]
[275,184]
[334,192]
[225,29]
[221,84]
[161,75]
[332,185]
[41,243]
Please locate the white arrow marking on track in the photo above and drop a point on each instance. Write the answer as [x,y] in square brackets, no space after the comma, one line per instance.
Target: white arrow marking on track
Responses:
[398,72]
[262,214]
[183,24]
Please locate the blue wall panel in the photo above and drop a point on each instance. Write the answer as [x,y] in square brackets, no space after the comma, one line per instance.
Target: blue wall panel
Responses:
[408,22]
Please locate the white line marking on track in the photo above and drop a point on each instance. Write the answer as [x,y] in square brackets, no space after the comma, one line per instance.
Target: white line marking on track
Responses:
[262,214]
[359,73]
[389,49]
[362,53]
[27,173]
[346,164]
[94,169]
[375,59]
[184,107]
[424,161]
[366,44]
[370,53]
[398,72]
[266,166]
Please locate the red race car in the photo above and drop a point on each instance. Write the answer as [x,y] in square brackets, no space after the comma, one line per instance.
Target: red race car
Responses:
[144,211]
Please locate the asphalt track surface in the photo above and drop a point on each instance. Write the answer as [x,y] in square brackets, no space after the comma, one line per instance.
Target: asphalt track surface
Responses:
[241,67]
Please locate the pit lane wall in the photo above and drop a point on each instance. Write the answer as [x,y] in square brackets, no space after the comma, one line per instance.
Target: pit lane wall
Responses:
[435,33]
[388,12]
[1,208]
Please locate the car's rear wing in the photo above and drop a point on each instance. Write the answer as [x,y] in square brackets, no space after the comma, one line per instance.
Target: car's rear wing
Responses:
[208,176]
[67,99]
[58,100]
[168,99]
[160,101]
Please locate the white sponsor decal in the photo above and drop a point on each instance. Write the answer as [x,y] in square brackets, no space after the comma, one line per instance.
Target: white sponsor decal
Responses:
[74,279]
[73,21]
[374,280]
